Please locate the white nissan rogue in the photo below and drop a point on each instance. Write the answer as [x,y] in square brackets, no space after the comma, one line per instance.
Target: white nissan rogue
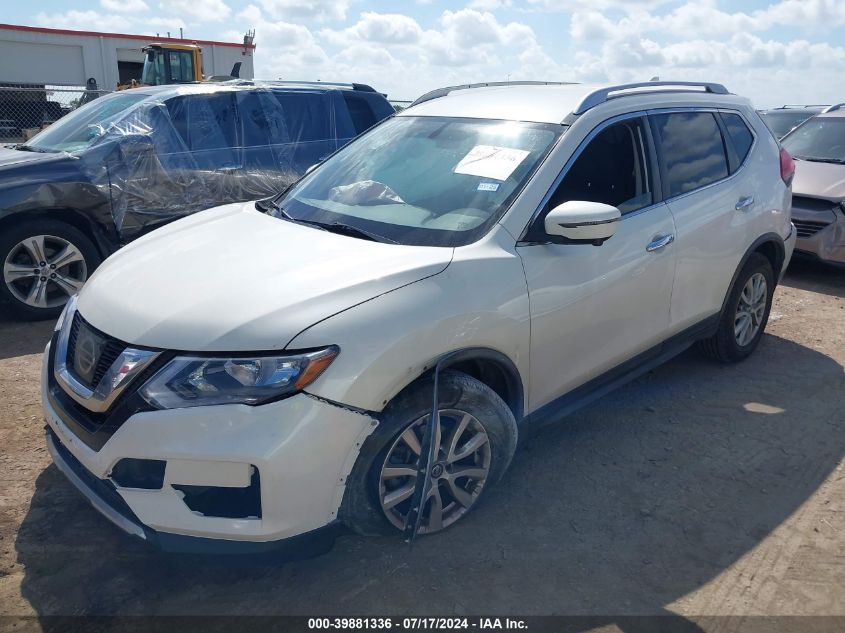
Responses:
[258,374]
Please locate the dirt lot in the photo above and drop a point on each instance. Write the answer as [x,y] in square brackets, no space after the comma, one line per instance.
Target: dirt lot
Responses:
[699,489]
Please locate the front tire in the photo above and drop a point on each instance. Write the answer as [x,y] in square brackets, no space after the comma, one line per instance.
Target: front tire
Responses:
[746,313]
[477,440]
[44,263]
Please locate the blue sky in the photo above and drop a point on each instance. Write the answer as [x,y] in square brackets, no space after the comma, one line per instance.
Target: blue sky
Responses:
[773,51]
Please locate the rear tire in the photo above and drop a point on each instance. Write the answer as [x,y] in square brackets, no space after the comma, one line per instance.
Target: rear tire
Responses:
[746,313]
[487,422]
[44,262]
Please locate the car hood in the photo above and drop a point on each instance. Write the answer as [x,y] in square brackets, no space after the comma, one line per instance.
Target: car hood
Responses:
[234,279]
[819,180]
[14,157]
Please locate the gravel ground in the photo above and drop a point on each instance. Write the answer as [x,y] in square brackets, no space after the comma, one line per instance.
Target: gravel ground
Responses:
[699,489]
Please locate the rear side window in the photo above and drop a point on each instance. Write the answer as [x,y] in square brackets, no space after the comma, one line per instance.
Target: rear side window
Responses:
[306,115]
[740,136]
[692,150]
[362,114]
[205,122]
[261,119]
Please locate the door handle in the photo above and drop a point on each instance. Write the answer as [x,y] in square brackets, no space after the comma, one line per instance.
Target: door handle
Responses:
[744,202]
[661,241]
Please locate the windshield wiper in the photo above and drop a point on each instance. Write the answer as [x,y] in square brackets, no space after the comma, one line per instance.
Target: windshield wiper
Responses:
[818,159]
[267,205]
[348,229]
[30,148]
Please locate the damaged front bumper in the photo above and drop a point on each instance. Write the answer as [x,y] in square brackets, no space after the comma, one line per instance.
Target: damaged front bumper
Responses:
[226,478]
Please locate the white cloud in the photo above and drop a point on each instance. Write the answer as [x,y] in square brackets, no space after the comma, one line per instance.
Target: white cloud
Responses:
[83,21]
[316,9]
[489,5]
[124,6]
[198,10]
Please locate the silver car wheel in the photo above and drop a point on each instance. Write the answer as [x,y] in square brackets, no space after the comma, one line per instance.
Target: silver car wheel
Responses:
[458,474]
[42,271]
[751,309]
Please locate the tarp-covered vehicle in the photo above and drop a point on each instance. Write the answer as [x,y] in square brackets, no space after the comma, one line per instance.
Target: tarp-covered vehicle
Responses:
[128,162]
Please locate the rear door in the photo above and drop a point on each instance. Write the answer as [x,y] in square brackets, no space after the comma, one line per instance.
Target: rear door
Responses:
[712,201]
[595,307]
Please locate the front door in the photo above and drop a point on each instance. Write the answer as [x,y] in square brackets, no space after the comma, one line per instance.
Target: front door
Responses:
[594,307]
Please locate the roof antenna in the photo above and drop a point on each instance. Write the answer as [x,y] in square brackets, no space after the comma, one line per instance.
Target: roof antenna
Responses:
[655,78]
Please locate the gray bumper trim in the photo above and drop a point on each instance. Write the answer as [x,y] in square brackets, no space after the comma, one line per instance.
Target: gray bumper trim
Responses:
[101,506]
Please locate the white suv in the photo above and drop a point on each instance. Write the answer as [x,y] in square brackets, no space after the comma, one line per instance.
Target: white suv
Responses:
[499,254]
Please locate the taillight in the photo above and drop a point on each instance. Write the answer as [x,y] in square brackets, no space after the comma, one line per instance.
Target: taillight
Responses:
[787,166]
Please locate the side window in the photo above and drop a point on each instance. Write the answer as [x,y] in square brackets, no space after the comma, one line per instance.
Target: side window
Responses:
[362,114]
[740,136]
[212,121]
[261,118]
[613,169]
[305,115]
[207,126]
[692,150]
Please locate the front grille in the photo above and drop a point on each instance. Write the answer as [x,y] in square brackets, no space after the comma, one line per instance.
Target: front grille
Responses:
[806,229]
[109,353]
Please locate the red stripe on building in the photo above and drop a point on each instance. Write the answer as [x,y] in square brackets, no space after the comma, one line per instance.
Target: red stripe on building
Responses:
[130,36]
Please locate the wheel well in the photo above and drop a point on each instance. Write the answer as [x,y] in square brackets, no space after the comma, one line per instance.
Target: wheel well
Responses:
[500,376]
[69,216]
[772,251]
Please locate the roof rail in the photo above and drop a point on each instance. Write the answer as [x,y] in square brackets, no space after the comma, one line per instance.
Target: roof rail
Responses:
[601,95]
[442,92]
[293,82]
[833,108]
[790,106]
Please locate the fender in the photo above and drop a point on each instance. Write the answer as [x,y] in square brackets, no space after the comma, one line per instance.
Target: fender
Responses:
[774,238]
[513,380]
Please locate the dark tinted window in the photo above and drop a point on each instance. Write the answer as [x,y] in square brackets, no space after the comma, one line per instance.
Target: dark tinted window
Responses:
[205,121]
[262,120]
[306,115]
[612,169]
[362,114]
[693,150]
[741,136]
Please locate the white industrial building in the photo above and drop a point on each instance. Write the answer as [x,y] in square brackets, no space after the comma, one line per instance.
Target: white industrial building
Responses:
[42,56]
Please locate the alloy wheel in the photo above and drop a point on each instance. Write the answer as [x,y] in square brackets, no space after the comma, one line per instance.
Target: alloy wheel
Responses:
[461,467]
[42,271]
[751,309]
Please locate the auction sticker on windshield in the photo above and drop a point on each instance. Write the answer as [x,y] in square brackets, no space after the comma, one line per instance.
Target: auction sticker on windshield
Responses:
[489,161]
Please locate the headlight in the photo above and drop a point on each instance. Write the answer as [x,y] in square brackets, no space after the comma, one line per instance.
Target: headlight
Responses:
[194,381]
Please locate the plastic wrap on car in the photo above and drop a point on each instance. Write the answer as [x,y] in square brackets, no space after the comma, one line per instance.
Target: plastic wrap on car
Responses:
[170,157]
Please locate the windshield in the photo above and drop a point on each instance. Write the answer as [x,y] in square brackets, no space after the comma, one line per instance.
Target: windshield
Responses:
[821,139]
[162,66]
[781,122]
[83,126]
[423,180]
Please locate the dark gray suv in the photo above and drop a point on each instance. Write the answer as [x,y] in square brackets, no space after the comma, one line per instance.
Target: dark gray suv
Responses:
[131,161]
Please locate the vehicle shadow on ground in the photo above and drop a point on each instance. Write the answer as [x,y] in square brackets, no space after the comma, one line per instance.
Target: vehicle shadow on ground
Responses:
[628,506]
[815,276]
[20,339]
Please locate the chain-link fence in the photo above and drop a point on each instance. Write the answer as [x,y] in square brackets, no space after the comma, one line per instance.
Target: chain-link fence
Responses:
[26,109]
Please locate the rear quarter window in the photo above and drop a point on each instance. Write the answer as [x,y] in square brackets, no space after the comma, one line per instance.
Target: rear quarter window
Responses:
[692,150]
[740,136]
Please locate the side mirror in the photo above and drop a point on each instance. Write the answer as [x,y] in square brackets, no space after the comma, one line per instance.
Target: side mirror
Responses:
[583,222]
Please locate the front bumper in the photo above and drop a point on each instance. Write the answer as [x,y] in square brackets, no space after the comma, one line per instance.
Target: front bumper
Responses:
[303,448]
[821,233]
